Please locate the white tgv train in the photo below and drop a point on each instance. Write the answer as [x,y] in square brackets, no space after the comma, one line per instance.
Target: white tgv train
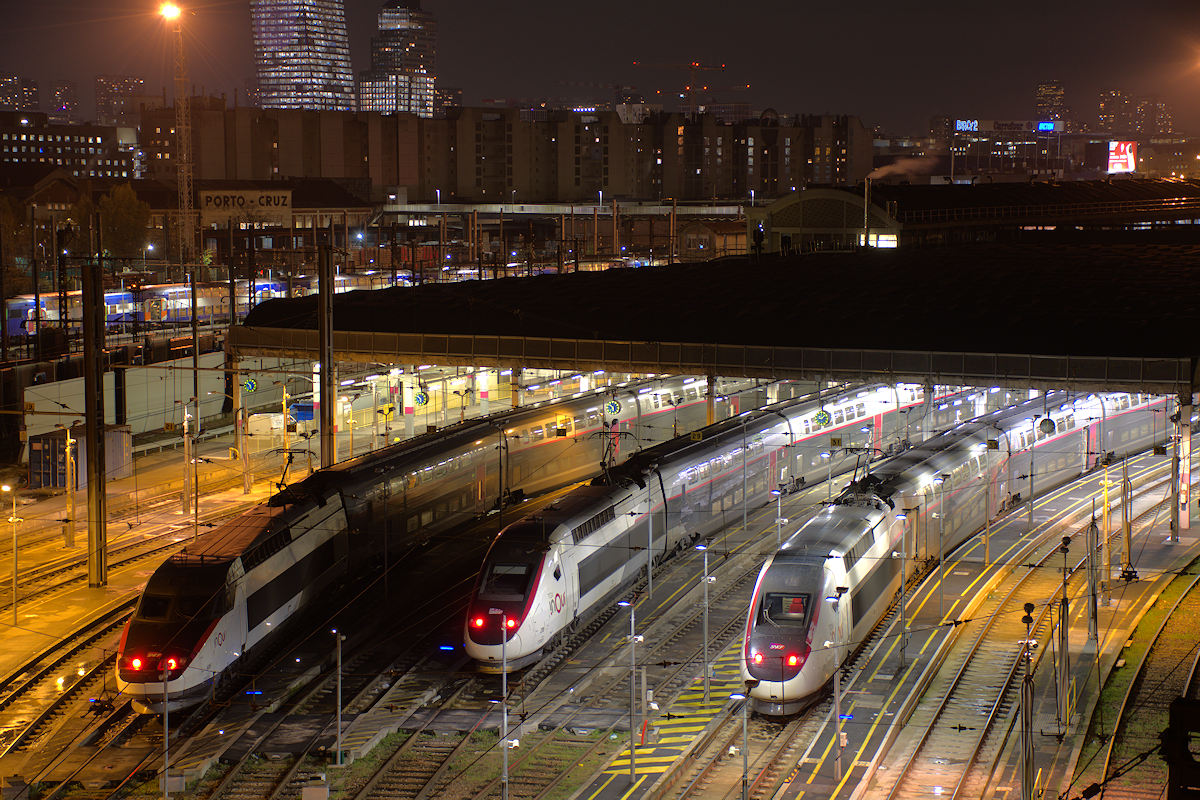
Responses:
[799,627]
[548,570]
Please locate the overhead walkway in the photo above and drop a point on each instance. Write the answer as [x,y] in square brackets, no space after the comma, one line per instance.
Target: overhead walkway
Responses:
[1066,316]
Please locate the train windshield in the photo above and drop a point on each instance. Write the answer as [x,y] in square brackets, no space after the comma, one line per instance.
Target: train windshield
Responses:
[179,592]
[785,609]
[506,581]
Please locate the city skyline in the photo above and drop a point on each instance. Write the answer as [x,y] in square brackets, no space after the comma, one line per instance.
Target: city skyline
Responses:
[892,67]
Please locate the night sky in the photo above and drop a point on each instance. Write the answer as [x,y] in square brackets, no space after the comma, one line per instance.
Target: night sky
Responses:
[891,63]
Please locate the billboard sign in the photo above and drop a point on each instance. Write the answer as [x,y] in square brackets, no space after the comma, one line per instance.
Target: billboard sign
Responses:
[270,206]
[1122,157]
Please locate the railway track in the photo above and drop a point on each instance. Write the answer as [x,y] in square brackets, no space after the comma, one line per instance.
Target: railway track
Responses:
[467,764]
[970,708]
[1133,763]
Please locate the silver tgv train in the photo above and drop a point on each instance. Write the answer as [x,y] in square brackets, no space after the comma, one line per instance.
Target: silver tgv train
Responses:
[798,628]
[209,606]
[546,571]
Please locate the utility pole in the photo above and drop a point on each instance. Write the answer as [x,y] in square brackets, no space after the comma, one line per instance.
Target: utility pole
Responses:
[93,390]
[327,397]
[1027,709]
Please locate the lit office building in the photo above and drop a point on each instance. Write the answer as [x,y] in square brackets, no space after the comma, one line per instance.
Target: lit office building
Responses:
[18,93]
[1116,111]
[403,52]
[64,102]
[302,53]
[1050,101]
[117,97]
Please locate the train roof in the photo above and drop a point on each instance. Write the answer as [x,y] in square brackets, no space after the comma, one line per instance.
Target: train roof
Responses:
[231,539]
[830,531]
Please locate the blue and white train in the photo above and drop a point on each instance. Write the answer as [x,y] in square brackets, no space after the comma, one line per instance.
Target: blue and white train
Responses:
[160,304]
[799,627]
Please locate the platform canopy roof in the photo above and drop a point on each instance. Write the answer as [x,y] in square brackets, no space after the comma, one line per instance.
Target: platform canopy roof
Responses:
[1121,316]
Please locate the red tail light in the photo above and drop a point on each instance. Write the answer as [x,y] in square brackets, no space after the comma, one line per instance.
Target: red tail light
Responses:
[173,663]
[758,658]
[793,659]
[135,664]
[511,623]
[477,622]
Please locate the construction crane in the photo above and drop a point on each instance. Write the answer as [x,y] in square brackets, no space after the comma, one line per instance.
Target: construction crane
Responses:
[693,92]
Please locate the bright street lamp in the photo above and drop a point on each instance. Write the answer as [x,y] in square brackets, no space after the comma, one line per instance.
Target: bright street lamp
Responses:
[169,11]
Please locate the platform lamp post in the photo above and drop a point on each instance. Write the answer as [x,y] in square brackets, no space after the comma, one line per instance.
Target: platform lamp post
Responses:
[69,458]
[940,482]
[338,638]
[633,640]
[828,456]
[703,548]
[745,698]
[503,701]
[14,519]
[903,556]
[835,602]
[780,520]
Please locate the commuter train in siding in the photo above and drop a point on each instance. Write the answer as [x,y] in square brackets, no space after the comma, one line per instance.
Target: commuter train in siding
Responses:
[213,603]
[799,628]
[546,571]
[161,305]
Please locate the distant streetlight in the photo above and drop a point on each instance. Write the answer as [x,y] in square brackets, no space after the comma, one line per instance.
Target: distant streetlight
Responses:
[169,11]
[149,248]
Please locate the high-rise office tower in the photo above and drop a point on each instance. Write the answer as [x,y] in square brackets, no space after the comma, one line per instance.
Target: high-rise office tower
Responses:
[1152,117]
[117,96]
[18,93]
[1050,101]
[30,95]
[403,56]
[1116,111]
[302,53]
[64,102]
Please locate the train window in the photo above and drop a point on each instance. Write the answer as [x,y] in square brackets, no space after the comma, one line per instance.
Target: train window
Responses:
[154,606]
[838,419]
[505,582]
[785,609]
[860,410]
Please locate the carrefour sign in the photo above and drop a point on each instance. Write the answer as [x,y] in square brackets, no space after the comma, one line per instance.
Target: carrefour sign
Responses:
[272,206]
